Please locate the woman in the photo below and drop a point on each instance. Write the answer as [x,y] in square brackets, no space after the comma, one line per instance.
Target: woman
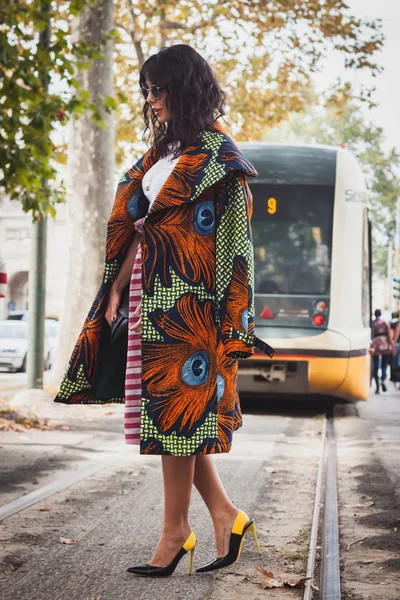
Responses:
[382,344]
[180,232]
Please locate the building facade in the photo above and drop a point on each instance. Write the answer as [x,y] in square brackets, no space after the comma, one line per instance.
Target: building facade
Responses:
[15,250]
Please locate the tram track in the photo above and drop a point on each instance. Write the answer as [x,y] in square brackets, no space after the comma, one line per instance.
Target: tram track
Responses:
[326,530]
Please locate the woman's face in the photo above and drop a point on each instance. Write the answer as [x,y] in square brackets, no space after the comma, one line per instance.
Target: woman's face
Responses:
[159,106]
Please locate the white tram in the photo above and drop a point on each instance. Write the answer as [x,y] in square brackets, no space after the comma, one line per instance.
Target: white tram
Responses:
[312,251]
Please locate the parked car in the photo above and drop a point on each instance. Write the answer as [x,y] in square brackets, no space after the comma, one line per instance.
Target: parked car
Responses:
[18,315]
[51,330]
[14,346]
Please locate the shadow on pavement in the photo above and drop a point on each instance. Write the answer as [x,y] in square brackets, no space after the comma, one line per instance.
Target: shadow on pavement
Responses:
[294,406]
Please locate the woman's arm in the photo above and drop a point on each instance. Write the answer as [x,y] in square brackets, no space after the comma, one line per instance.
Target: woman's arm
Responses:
[121,281]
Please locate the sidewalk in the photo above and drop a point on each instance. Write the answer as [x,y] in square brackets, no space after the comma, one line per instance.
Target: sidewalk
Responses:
[369,497]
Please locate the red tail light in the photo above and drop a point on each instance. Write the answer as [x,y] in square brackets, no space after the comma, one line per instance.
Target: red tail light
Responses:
[318,320]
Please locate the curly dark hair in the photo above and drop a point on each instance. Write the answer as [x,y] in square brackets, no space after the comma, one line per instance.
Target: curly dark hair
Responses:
[194,98]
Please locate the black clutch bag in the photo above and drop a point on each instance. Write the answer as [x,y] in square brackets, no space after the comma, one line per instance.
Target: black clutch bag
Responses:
[119,328]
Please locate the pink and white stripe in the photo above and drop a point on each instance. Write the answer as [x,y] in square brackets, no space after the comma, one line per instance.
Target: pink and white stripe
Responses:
[133,378]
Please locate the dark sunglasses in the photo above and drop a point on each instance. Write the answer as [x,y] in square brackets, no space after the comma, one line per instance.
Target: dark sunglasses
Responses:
[154,89]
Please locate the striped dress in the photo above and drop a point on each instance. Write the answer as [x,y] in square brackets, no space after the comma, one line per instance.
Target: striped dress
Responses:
[152,183]
[133,378]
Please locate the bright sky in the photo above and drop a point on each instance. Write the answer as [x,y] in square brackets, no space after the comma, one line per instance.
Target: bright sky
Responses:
[387,95]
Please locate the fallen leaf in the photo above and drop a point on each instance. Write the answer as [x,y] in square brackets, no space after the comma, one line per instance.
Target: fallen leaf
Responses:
[108,413]
[298,540]
[267,583]
[275,481]
[296,583]
[64,540]
[43,508]
[265,572]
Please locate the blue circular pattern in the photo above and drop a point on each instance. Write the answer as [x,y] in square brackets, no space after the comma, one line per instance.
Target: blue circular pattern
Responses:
[220,387]
[245,320]
[204,217]
[196,368]
[138,206]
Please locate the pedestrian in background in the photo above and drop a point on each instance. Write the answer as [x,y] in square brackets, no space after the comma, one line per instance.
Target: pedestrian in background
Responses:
[394,322]
[382,343]
[179,235]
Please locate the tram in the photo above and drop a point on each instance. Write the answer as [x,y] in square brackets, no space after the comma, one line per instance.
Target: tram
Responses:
[312,250]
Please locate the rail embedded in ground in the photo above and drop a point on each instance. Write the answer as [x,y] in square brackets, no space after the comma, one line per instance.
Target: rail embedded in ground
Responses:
[329,588]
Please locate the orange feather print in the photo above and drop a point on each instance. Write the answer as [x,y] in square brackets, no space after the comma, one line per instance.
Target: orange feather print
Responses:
[182,240]
[187,374]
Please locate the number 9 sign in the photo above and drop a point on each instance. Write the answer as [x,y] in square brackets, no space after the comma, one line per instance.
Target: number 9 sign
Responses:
[271,206]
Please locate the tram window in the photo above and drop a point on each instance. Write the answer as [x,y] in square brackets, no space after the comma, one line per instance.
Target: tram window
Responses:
[293,241]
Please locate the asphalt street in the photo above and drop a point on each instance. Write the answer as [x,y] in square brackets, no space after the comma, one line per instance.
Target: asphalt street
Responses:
[114,515]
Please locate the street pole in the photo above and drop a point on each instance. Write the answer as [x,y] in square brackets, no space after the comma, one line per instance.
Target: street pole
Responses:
[37,273]
[397,246]
[390,273]
[37,303]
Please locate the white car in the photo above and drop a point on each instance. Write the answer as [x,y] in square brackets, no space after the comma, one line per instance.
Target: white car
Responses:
[51,331]
[14,346]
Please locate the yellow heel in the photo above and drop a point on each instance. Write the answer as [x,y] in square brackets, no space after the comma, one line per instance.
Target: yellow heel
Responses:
[241,526]
[191,561]
[252,528]
[189,546]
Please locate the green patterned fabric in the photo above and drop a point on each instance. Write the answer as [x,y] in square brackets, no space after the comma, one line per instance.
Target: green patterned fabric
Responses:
[197,299]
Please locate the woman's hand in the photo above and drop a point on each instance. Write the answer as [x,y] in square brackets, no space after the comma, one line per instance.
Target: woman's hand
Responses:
[113,303]
[137,327]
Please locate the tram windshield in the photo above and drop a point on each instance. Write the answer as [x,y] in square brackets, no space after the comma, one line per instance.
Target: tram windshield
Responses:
[292,235]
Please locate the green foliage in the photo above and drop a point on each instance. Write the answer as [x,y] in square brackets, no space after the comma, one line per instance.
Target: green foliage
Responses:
[36,99]
[264,53]
[346,124]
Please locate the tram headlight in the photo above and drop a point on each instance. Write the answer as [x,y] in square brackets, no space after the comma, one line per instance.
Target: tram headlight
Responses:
[318,320]
[321,306]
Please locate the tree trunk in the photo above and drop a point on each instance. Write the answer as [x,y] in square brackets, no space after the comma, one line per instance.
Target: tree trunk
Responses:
[90,183]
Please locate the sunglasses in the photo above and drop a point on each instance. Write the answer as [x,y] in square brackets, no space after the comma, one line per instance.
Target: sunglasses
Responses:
[154,89]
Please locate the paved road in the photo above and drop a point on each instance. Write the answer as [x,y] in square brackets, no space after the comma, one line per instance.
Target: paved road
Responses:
[115,515]
[369,494]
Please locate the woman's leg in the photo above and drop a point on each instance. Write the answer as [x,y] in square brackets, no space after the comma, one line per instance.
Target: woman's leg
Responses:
[375,369]
[223,512]
[384,365]
[178,474]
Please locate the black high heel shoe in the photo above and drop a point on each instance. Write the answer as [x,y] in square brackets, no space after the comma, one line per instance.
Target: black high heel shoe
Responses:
[150,571]
[241,526]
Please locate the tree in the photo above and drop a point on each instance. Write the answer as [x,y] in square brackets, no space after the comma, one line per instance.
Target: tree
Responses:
[31,112]
[90,178]
[264,53]
[345,123]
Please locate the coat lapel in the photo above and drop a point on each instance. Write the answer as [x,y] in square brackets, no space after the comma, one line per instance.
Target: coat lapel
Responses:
[200,167]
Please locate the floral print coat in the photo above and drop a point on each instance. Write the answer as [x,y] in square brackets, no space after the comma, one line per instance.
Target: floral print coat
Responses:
[197,301]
